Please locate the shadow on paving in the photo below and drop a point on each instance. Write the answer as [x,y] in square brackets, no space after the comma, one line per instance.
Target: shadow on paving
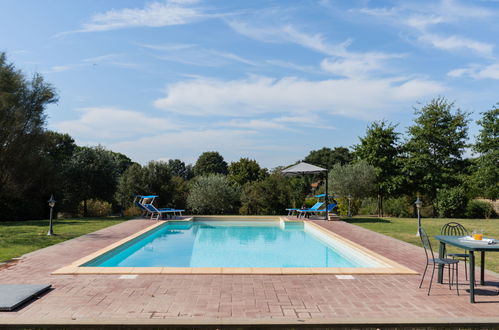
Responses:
[365,220]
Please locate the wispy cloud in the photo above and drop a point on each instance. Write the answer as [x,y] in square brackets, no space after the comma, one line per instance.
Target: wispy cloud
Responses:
[454,43]
[117,60]
[232,143]
[153,14]
[193,54]
[288,33]
[342,62]
[424,19]
[357,98]
[294,66]
[477,71]
[94,124]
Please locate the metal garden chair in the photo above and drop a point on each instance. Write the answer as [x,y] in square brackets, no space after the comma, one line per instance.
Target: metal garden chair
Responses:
[456,229]
[430,259]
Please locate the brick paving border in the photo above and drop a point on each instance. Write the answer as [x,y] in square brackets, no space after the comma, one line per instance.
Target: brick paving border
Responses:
[241,299]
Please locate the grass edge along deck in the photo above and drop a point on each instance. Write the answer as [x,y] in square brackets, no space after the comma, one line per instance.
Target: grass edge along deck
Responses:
[392,267]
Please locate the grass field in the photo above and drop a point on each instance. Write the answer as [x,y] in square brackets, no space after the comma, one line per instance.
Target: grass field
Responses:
[20,237]
[405,229]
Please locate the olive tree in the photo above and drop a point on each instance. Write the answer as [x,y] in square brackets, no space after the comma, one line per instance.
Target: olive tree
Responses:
[213,194]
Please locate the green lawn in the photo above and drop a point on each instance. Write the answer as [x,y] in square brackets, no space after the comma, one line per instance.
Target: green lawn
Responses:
[20,237]
[405,229]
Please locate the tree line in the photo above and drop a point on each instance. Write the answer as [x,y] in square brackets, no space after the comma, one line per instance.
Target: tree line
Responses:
[381,174]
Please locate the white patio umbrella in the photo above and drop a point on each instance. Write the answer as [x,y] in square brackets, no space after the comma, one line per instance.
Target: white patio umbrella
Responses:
[306,168]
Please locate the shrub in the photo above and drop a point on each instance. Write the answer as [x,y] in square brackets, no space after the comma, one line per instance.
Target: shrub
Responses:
[342,206]
[309,202]
[369,206]
[132,211]
[270,196]
[96,208]
[479,209]
[451,202]
[213,194]
[397,207]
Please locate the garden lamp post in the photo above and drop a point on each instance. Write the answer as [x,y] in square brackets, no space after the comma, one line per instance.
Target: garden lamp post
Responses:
[418,204]
[349,202]
[51,202]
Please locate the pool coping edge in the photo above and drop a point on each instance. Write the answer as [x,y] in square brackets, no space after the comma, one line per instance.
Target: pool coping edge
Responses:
[393,268]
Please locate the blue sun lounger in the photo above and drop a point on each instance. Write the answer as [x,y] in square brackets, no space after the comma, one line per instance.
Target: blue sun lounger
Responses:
[330,208]
[158,213]
[315,208]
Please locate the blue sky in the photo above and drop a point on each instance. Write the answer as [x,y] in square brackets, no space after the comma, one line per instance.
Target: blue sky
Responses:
[268,80]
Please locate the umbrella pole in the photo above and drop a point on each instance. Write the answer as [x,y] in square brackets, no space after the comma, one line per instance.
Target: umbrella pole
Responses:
[327,196]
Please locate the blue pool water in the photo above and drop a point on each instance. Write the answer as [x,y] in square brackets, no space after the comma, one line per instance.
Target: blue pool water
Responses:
[259,243]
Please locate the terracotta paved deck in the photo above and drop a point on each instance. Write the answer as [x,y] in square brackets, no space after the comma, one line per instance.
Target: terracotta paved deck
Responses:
[240,299]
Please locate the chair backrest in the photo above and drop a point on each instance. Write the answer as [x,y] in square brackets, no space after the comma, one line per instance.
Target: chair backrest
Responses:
[426,243]
[316,206]
[141,206]
[151,208]
[453,229]
[330,207]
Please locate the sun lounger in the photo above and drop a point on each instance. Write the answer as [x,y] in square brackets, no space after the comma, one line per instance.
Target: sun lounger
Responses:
[330,208]
[315,208]
[158,213]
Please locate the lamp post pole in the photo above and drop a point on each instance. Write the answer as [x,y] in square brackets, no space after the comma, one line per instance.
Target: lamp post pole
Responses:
[418,204]
[51,204]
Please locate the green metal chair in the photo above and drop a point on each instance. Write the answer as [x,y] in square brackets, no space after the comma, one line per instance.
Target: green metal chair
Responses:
[430,259]
[456,229]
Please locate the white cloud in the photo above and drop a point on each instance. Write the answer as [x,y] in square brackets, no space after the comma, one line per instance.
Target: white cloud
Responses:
[454,43]
[424,18]
[255,124]
[342,62]
[189,144]
[154,14]
[288,33]
[112,123]
[109,59]
[477,72]
[352,67]
[294,66]
[195,55]
[422,22]
[456,9]
[357,98]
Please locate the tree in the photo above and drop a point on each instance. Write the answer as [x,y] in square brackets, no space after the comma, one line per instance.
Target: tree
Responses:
[485,176]
[245,170]
[92,173]
[178,168]
[121,161]
[270,196]
[435,147]
[130,183]
[357,179]
[213,194]
[327,157]
[380,148]
[210,162]
[155,178]
[22,119]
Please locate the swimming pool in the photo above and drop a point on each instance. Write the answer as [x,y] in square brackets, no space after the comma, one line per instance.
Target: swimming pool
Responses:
[234,245]
[222,243]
